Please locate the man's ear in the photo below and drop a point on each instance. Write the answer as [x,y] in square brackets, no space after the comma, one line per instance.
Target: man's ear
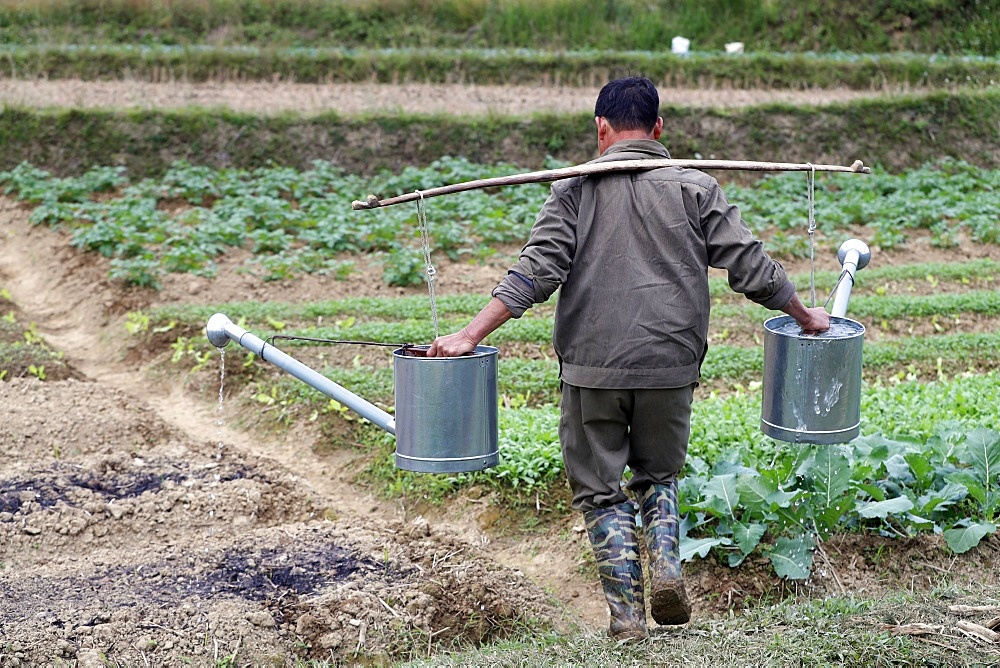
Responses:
[658,128]
[602,127]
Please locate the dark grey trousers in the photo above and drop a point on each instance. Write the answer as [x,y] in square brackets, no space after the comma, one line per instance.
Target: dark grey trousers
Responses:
[603,431]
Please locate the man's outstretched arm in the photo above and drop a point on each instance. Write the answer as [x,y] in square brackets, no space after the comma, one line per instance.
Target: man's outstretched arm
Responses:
[466,339]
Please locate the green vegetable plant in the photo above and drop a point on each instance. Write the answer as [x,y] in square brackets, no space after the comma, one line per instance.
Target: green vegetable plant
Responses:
[296,222]
[980,450]
[950,484]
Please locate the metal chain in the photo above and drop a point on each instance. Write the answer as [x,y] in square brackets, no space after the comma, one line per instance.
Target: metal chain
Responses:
[312,339]
[428,267]
[811,194]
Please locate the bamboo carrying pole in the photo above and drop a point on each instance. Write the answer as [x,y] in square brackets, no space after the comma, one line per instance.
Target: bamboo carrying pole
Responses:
[545,176]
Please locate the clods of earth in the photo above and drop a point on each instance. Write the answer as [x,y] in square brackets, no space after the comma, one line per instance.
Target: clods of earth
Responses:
[122,538]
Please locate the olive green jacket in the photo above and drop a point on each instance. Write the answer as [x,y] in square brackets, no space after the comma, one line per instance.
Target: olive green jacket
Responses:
[631,252]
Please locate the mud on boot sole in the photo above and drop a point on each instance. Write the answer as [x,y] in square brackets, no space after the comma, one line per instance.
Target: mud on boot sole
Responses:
[669,604]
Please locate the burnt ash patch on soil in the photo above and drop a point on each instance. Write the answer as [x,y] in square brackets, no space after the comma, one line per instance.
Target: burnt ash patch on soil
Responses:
[56,486]
[272,573]
[344,591]
[90,469]
[13,494]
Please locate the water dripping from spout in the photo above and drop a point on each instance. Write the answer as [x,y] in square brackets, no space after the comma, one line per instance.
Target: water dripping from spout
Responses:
[218,410]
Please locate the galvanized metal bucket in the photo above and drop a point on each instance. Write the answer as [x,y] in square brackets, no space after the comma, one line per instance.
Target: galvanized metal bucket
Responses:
[446,411]
[812,383]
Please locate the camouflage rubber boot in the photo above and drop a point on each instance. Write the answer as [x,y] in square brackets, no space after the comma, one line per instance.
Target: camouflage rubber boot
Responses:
[613,536]
[668,599]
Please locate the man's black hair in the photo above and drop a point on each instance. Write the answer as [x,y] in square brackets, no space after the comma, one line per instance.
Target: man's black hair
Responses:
[630,103]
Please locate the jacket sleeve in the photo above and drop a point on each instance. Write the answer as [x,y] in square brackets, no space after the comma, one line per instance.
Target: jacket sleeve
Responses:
[545,261]
[731,246]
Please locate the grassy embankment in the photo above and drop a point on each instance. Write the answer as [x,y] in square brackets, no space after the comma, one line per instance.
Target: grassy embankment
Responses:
[765,70]
[23,351]
[925,26]
[893,133]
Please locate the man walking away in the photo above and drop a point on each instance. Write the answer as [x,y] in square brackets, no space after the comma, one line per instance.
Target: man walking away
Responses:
[630,252]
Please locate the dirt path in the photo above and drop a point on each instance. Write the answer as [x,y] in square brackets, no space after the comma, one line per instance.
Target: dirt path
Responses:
[350,99]
[123,424]
[69,300]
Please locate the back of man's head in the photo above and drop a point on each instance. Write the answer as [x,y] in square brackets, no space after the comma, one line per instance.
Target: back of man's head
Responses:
[631,103]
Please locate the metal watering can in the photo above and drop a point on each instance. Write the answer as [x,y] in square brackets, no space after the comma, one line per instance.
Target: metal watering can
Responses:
[812,383]
[446,407]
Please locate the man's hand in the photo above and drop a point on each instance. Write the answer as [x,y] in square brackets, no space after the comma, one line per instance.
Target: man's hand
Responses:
[453,345]
[812,320]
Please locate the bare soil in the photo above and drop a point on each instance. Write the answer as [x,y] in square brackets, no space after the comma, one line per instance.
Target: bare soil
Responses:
[350,99]
[139,523]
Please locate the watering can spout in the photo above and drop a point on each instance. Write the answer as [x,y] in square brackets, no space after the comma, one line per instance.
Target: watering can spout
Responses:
[217,330]
[220,330]
[853,255]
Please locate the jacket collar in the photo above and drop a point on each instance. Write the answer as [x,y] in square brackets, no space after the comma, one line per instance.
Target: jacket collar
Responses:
[635,149]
